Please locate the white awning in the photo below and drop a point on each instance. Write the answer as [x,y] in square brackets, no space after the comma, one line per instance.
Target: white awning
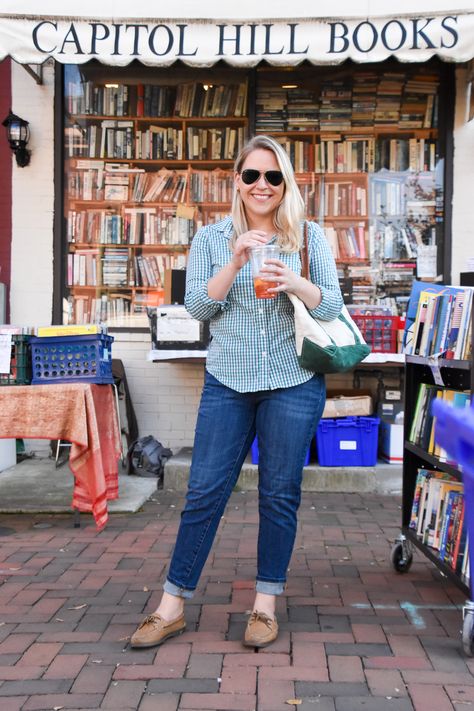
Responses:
[251,32]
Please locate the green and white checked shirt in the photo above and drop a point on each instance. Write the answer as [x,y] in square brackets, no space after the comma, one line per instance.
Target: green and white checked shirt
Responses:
[253,340]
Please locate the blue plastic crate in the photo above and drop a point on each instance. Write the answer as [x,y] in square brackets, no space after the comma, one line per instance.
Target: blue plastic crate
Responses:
[72,359]
[348,441]
[254,453]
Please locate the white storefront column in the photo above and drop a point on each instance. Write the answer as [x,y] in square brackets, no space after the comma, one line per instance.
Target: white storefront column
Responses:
[463,181]
[33,202]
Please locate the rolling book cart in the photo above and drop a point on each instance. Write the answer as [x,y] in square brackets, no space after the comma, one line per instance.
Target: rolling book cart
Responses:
[454,432]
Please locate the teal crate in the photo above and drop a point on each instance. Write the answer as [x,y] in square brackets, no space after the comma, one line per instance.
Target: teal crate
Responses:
[20,362]
[348,441]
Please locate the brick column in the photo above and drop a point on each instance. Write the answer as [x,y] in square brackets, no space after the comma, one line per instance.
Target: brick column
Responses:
[5,180]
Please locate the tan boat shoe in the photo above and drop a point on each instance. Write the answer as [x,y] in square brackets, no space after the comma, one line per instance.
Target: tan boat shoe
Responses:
[154,630]
[261,630]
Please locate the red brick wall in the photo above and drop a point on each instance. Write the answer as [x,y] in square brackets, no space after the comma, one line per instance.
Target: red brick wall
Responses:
[5,179]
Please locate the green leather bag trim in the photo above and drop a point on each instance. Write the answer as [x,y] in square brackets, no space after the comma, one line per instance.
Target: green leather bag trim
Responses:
[332,359]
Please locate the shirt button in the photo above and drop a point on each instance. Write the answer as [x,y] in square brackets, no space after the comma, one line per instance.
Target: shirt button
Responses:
[263,354]
[262,332]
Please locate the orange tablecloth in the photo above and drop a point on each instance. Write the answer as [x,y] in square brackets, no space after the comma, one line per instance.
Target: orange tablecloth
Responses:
[81,413]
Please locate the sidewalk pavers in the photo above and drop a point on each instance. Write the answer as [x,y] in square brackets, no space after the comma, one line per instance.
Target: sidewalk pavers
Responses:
[354,634]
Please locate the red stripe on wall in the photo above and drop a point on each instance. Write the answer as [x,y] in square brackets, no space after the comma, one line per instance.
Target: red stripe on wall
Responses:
[5,181]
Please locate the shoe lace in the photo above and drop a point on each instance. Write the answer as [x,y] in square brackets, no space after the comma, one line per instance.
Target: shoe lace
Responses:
[257,616]
[150,620]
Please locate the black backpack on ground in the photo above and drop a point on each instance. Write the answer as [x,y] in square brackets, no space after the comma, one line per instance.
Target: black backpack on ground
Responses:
[146,457]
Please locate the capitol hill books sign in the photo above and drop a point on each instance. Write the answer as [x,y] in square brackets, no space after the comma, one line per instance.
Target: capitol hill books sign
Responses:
[33,38]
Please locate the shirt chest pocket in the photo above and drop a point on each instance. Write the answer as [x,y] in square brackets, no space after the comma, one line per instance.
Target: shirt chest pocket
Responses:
[243,275]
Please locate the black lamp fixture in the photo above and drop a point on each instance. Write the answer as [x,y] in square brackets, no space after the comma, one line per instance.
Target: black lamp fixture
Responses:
[18,135]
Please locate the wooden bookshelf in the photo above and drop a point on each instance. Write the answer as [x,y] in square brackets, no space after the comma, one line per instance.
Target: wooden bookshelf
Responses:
[374,128]
[351,138]
[146,164]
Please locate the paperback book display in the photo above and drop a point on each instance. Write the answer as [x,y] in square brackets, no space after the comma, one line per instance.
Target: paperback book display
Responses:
[442,322]
[423,424]
[437,517]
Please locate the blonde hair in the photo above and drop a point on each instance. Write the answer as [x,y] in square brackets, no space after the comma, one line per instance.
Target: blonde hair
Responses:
[289,213]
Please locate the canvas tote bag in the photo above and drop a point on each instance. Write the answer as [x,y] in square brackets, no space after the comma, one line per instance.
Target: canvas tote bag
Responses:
[325,346]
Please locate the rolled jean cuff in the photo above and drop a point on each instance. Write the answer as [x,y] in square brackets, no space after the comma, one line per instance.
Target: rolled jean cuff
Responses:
[175,590]
[269,588]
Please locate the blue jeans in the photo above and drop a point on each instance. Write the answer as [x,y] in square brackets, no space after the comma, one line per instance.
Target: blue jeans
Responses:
[285,420]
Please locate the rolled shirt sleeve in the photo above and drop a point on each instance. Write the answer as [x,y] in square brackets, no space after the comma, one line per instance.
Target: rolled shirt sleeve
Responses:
[323,273]
[198,272]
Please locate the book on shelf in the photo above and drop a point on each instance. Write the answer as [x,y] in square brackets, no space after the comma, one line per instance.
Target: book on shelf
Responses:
[465,568]
[439,321]
[437,514]
[158,100]
[347,242]
[117,192]
[70,330]
[423,423]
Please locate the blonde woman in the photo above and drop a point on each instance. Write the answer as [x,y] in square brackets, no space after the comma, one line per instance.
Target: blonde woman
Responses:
[253,383]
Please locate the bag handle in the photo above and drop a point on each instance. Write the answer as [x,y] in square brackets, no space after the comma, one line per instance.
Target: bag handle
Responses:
[304,253]
[304,256]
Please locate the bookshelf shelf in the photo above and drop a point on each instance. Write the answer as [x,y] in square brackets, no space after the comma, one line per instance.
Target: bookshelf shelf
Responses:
[114,205]
[430,553]
[152,247]
[359,132]
[163,119]
[432,460]
[345,218]
[100,287]
[442,362]
[172,162]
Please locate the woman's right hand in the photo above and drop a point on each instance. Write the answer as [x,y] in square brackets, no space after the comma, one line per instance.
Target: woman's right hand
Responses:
[252,238]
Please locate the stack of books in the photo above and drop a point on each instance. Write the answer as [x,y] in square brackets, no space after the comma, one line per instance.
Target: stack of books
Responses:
[442,324]
[437,517]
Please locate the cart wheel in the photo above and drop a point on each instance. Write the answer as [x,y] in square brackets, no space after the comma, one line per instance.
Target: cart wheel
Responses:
[468,635]
[401,561]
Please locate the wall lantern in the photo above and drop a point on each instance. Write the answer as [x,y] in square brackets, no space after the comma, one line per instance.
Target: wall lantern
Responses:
[18,135]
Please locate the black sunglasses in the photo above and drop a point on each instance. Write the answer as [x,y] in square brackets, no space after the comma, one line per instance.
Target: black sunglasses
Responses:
[273,177]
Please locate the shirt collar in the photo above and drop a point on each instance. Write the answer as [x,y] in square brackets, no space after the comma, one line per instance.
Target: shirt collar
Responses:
[225,226]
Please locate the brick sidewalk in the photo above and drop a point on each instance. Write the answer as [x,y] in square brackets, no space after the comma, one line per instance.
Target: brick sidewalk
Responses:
[354,634]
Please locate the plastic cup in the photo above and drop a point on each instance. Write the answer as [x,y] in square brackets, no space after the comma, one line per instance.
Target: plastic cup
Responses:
[258,256]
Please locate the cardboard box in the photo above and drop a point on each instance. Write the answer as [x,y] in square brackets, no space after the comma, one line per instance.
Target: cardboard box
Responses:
[348,403]
[391,442]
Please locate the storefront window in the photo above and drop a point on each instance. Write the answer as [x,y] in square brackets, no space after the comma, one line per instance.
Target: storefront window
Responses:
[149,156]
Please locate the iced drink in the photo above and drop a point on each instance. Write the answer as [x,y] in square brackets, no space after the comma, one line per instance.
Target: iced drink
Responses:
[258,256]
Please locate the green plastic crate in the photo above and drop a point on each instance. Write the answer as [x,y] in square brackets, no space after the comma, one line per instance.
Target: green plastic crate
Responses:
[20,362]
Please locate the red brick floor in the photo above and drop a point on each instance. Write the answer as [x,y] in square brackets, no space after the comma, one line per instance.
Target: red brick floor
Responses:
[354,634]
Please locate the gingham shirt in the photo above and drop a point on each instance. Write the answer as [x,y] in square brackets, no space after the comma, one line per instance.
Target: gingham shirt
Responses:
[253,340]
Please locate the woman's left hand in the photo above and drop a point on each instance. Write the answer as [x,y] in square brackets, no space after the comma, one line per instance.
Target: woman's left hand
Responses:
[287,280]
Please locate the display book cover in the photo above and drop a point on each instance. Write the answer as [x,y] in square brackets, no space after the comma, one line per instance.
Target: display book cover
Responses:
[435,325]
